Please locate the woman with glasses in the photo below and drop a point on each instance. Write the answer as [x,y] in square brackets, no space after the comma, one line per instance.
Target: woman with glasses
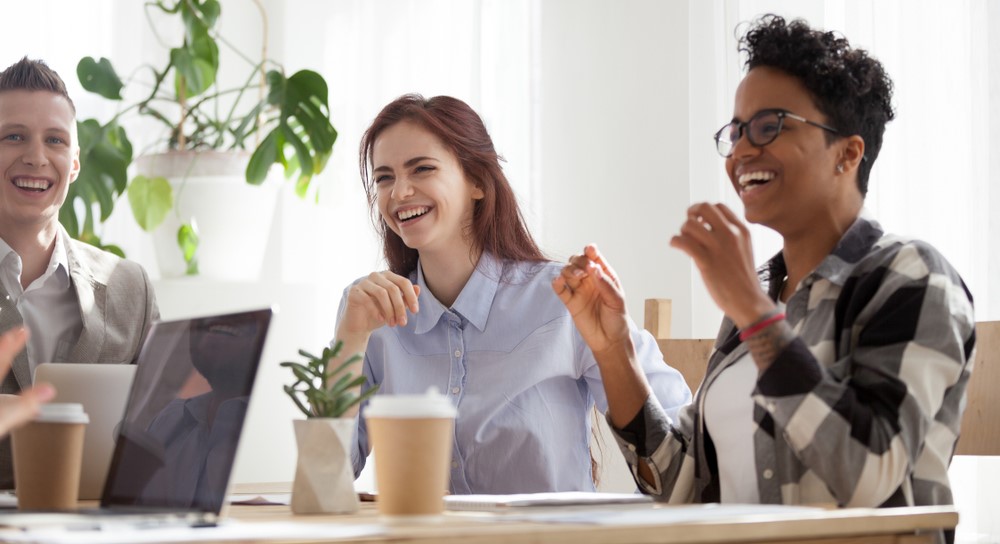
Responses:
[839,371]
[466,307]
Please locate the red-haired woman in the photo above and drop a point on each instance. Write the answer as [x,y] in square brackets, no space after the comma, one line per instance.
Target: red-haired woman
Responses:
[466,306]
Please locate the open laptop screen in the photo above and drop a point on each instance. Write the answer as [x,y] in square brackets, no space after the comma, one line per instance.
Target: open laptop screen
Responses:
[185,413]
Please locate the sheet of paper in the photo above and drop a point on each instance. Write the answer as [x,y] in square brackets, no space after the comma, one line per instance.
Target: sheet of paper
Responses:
[658,516]
[229,531]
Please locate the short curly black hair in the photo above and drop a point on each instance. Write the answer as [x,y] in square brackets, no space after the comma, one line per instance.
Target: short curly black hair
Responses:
[851,88]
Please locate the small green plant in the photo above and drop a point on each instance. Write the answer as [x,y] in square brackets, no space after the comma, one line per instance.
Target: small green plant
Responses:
[320,393]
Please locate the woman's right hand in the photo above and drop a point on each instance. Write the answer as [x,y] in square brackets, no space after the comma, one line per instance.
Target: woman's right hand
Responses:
[380,299]
[590,289]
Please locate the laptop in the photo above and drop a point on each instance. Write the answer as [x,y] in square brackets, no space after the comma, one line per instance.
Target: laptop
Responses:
[174,454]
[102,389]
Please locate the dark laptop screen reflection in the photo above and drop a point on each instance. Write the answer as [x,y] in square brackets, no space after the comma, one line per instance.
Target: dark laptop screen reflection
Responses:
[176,450]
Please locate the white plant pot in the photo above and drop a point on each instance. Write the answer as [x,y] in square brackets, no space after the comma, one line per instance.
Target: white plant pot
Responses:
[324,475]
[233,217]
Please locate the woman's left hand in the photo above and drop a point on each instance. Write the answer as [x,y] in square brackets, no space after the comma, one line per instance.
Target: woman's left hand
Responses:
[720,245]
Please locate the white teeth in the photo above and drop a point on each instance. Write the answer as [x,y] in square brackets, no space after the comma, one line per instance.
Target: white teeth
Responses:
[26,183]
[746,179]
[412,212]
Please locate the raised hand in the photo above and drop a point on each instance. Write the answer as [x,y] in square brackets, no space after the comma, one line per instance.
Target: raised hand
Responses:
[720,245]
[592,293]
[15,410]
[382,298]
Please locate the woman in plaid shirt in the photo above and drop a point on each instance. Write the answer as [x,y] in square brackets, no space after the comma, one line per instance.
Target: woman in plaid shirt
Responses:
[839,370]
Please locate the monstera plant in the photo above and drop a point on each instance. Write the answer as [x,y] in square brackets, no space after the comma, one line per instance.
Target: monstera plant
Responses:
[281,118]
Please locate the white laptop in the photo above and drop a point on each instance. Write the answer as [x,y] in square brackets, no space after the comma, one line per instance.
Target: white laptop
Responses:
[174,456]
[102,389]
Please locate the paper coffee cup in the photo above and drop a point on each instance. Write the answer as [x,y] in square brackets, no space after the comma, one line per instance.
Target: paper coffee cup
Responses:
[412,439]
[48,452]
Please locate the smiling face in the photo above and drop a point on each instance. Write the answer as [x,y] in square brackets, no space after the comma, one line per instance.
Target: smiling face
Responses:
[39,157]
[422,192]
[791,182]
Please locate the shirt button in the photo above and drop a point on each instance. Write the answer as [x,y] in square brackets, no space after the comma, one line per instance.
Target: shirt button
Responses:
[768,474]
[454,391]
[458,353]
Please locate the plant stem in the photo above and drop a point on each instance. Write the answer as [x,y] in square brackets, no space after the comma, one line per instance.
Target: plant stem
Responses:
[263,75]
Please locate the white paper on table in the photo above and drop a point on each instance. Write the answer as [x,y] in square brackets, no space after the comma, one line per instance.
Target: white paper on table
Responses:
[228,531]
[662,515]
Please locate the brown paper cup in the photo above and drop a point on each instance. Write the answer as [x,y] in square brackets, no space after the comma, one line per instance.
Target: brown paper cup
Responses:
[411,463]
[48,453]
[411,436]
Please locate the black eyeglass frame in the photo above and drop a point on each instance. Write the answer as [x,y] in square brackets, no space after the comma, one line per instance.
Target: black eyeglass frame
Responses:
[742,125]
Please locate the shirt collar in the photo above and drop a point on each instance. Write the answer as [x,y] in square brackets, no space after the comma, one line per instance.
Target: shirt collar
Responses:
[473,303]
[856,242]
[58,263]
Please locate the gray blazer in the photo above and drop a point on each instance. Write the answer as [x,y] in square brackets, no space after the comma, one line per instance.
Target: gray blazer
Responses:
[117,307]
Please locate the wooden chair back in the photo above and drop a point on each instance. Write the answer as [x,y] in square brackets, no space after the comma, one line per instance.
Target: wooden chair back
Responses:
[980,434]
[688,356]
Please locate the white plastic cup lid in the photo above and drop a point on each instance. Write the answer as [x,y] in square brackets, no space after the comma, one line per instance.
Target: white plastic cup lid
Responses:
[430,405]
[62,412]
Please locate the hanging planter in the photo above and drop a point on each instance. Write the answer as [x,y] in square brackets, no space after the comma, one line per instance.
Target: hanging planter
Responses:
[232,218]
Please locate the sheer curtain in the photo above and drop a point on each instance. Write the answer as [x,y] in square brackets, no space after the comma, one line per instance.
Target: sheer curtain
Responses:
[932,178]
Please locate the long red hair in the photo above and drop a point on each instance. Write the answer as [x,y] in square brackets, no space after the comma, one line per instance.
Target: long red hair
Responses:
[497,224]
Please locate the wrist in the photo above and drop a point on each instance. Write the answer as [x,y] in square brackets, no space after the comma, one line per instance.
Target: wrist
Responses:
[617,353]
[767,320]
[758,312]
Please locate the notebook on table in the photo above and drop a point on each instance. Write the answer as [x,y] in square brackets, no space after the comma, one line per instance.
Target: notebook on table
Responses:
[174,455]
[102,389]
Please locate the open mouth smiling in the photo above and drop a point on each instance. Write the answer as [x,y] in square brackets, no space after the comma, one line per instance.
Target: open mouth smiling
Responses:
[34,185]
[751,180]
[410,214]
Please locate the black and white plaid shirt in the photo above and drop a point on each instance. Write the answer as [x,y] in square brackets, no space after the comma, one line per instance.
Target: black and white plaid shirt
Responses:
[861,409]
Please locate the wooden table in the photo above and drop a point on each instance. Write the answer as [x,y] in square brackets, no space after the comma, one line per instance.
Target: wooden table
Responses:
[881,526]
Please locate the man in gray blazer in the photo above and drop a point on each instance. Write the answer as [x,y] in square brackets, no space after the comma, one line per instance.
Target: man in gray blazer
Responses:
[81,304]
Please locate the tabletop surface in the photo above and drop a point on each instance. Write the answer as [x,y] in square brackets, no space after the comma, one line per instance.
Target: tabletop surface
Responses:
[890,525]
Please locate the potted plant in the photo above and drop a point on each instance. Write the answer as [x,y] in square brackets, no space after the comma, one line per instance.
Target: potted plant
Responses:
[209,131]
[324,475]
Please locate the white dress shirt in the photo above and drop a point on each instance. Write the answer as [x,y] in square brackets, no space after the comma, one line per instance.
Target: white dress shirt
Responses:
[49,306]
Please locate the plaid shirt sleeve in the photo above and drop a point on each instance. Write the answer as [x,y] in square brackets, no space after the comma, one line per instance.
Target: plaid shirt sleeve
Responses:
[862,409]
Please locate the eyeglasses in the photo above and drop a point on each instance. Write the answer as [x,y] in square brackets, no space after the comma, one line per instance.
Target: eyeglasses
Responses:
[761,130]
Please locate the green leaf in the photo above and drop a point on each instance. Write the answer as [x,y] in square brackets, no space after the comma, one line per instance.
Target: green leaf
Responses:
[99,77]
[105,153]
[308,373]
[262,158]
[291,392]
[308,355]
[329,400]
[187,239]
[304,124]
[197,72]
[151,199]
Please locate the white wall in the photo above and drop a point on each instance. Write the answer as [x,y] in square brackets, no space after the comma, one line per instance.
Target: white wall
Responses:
[613,152]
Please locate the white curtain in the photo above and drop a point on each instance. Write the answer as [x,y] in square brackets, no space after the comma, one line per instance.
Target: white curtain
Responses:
[932,178]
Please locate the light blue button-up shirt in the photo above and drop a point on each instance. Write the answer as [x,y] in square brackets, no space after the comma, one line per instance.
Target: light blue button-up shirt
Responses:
[510,358]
